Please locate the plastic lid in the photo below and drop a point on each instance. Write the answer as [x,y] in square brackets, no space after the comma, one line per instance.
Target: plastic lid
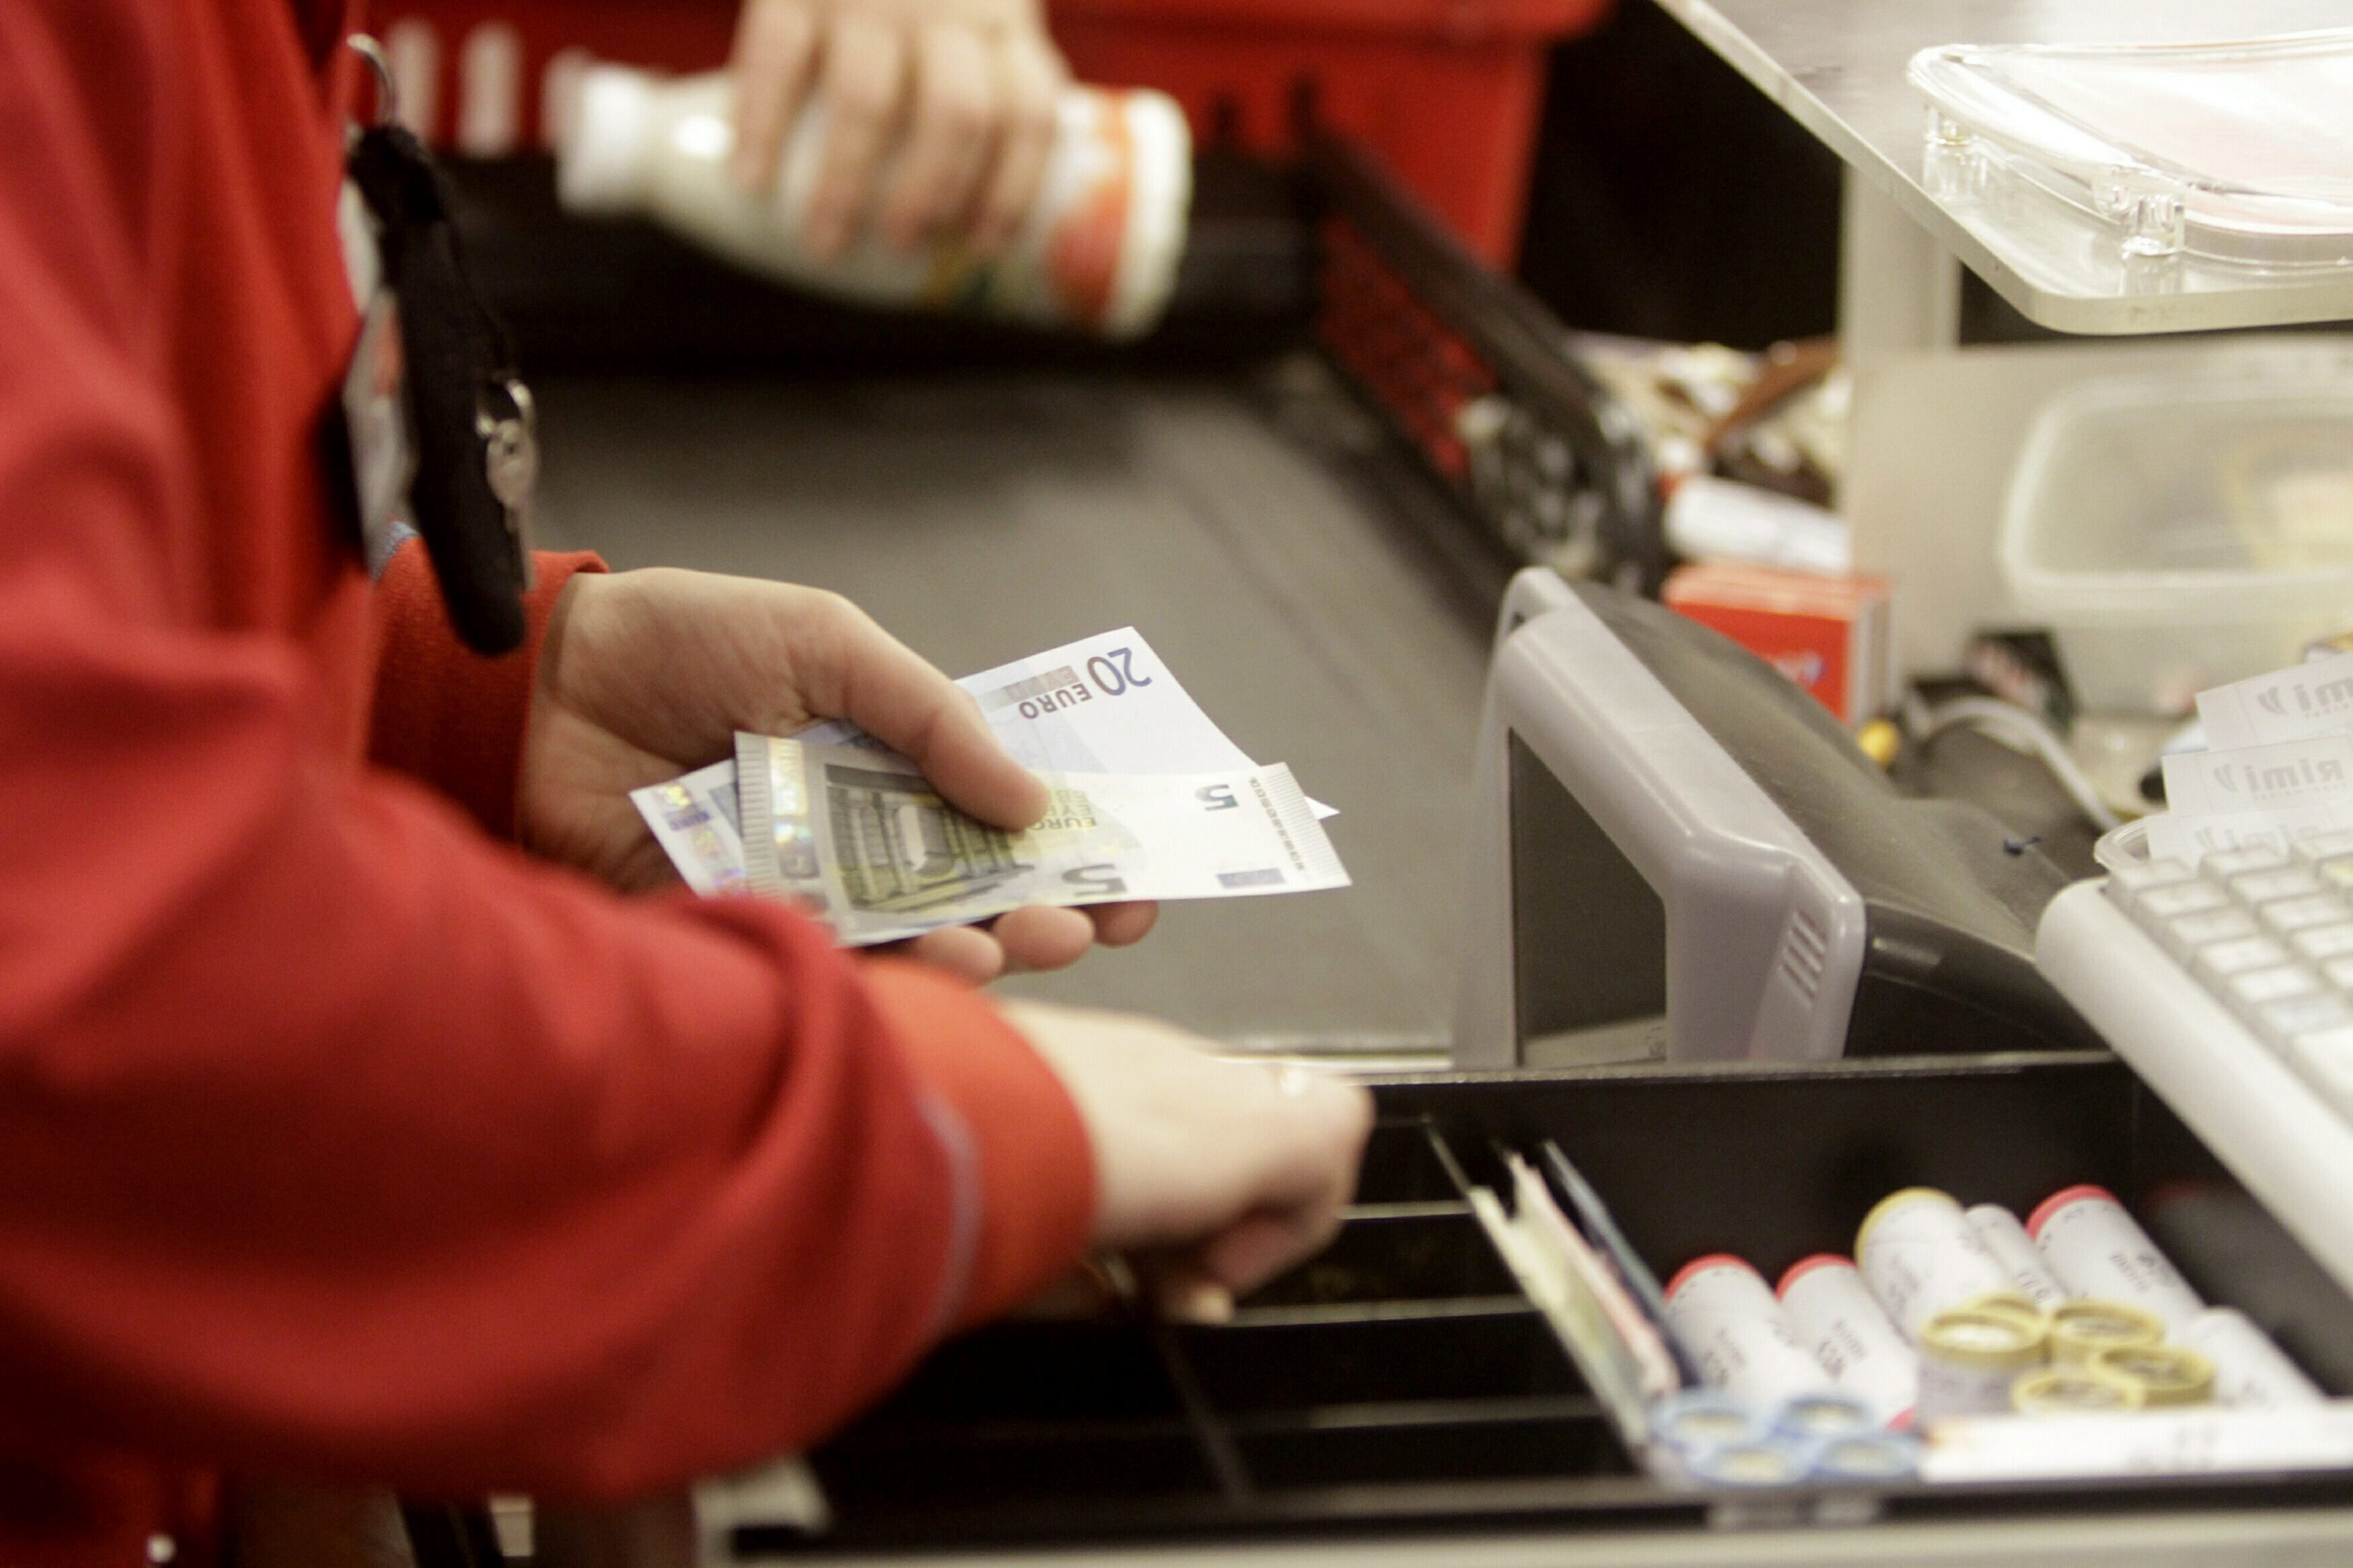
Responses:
[2242,152]
[607,149]
[2060,1200]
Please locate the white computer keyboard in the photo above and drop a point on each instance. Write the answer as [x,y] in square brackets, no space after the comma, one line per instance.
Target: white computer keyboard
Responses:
[2229,988]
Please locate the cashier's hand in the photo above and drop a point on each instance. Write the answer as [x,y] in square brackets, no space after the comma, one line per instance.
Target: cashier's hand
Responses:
[646,675]
[940,113]
[1211,1176]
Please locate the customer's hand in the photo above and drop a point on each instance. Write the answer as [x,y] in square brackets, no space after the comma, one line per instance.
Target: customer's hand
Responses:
[1213,1177]
[952,100]
[646,675]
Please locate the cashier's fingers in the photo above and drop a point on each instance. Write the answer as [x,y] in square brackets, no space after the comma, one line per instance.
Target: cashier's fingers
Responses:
[950,137]
[964,951]
[845,666]
[1030,75]
[1218,1165]
[775,46]
[861,78]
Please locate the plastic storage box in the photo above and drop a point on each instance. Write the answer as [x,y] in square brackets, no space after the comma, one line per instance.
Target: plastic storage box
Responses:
[2176,535]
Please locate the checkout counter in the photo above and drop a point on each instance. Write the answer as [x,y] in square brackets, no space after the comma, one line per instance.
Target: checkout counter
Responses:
[1745,983]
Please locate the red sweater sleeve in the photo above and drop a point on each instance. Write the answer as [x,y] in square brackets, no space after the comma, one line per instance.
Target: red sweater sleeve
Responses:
[336,1138]
[444,714]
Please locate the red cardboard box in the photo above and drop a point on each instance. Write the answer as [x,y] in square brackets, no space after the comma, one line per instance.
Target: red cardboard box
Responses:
[1832,635]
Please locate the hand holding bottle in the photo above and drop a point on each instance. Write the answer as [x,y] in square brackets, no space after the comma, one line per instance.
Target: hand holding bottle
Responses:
[941,113]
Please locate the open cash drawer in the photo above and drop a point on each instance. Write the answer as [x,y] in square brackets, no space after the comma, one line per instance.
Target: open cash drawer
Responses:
[1400,1383]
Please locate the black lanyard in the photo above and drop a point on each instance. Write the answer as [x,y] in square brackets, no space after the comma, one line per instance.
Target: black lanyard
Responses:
[469,415]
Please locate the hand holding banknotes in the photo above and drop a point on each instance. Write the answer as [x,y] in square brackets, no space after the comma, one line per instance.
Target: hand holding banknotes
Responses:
[645,673]
[1212,1176]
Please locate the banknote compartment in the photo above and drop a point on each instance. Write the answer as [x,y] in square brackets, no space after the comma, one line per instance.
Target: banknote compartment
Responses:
[1328,1401]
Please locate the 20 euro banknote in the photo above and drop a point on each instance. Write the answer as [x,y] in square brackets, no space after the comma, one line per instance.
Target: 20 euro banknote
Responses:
[1104,704]
[860,839]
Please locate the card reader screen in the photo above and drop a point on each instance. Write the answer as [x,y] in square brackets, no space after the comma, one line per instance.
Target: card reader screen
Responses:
[1590,935]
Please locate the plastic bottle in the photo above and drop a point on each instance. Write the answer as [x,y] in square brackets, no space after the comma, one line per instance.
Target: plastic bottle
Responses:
[1098,249]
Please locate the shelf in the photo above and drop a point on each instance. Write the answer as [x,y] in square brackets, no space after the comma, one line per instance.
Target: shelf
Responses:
[1838,65]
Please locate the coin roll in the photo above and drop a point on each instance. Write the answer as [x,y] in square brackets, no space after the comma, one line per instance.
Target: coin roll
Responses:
[2100,1252]
[2073,1391]
[1971,1359]
[2251,1372]
[1726,1316]
[2080,1330]
[1834,1315]
[2167,1375]
[1920,1255]
[2006,1238]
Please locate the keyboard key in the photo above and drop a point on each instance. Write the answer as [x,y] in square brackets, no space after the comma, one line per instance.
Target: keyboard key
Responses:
[2262,886]
[2336,875]
[2218,960]
[2289,916]
[2188,933]
[2325,1057]
[2338,972]
[2281,1021]
[2252,988]
[2135,879]
[2321,942]
[2238,862]
[2313,850]
[2164,904]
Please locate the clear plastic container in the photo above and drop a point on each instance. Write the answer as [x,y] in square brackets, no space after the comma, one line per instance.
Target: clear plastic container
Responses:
[2239,152]
[2175,536]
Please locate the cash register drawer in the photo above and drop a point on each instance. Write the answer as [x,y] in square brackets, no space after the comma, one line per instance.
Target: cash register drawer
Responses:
[1401,1382]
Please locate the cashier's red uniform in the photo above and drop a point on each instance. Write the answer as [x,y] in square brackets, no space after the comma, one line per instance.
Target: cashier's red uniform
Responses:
[337,1138]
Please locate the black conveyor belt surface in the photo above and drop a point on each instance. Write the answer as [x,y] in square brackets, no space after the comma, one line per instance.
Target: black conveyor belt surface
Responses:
[1248,525]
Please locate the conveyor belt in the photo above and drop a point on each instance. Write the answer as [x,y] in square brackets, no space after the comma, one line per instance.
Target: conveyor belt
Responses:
[1299,581]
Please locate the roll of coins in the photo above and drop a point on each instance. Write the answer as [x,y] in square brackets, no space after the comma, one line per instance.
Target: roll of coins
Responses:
[1724,1315]
[2015,1250]
[1775,1462]
[2251,1372]
[2016,1304]
[2073,1391]
[1878,1457]
[1819,1416]
[2100,1252]
[1699,1419]
[1970,1360]
[1920,1257]
[1834,1315]
[2081,1329]
[2167,1375]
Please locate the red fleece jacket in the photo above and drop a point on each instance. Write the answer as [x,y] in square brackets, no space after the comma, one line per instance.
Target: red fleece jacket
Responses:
[336,1138]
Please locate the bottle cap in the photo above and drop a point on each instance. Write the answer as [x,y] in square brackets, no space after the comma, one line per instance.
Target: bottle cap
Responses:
[607,146]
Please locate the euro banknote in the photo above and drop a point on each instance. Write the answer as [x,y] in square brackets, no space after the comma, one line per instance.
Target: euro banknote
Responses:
[1104,704]
[860,839]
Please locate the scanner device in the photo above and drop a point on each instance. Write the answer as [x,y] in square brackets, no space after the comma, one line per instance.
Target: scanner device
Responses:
[1679,854]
